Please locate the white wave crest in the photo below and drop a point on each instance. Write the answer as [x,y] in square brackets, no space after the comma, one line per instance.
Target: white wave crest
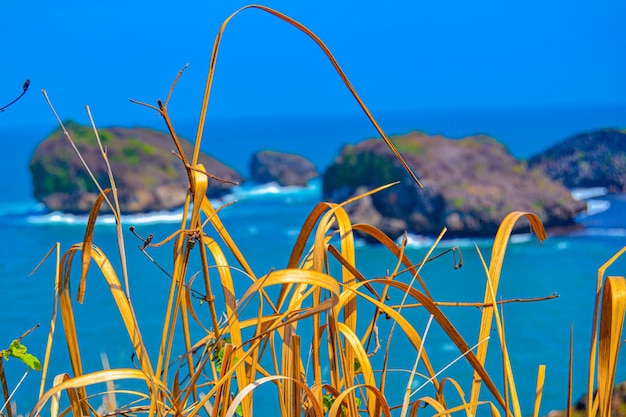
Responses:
[603,232]
[66,219]
[274,190]
[596,207]
[585,193]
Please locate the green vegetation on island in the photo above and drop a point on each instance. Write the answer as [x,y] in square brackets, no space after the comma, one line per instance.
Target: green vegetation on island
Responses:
[148,173]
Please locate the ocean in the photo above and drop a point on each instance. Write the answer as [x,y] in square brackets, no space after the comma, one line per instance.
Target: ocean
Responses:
[265,220]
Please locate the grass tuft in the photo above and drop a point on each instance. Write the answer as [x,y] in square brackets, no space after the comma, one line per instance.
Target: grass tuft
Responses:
[311,330]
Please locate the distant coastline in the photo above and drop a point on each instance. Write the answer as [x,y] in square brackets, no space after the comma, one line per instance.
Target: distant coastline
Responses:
[319,137]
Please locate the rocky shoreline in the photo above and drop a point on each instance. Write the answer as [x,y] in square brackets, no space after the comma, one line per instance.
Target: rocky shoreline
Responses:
[470,183]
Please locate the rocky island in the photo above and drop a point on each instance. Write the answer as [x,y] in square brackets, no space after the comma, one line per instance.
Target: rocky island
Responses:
[286,169]
[148,175]
[592,159]
[469,186]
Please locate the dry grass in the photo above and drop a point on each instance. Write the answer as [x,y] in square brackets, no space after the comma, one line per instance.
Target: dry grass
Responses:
[255,338]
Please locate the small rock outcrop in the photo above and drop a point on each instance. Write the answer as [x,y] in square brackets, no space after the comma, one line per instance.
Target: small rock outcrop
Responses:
[618,404]
[469,186]
[284,168]
[594,159]
[148,176]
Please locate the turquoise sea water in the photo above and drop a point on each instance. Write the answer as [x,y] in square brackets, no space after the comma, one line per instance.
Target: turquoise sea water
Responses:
[538,333]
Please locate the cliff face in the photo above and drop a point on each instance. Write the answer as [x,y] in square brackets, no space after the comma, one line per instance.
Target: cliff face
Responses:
[594,159]
[469,186]
[148,176]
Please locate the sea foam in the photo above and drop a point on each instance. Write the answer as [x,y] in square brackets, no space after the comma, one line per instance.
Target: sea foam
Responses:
[36,213]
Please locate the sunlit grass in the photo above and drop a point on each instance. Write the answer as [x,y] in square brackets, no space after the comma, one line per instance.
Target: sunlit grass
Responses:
[311,330]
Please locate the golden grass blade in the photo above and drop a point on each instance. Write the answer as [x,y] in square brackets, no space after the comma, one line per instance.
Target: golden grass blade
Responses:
[122,303]
[318,259]
[296,371]
[361,356]
[270,323]
[114,209]
[230,302]
[463,407]
[171,311]
[55,300]
[493,409]
[445,368]
[85,380]
[594,328]
[509,381]
[413,336]
[433,402]
[222,397]
[337,213]
[54,400]
[541,377]
[393,248]
[444,382]
[495,268]
[570,376]
[407,393]
[320,239]
[209,296]
[312,221]
[305,232]
[115,205]
[294,276]
[445,324]
[199,186]
[211,214]
[77,397]
[67,311]
[87,242]
[5,390]
[247,390]
[355,272]
[318,41]
[310,261]
[611,326]
[371,390]
[191,309]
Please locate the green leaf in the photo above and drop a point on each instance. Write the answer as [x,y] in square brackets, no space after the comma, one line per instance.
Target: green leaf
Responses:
[19,351]
[16,349]
[31,361]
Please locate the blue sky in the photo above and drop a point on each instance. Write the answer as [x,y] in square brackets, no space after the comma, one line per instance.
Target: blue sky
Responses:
[400,55]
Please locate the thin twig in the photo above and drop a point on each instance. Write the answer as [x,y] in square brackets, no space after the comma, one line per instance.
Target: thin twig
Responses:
[19,384]
[114,208]
[27,332]
[24,90]
[169,95]
[448,365]
[481,305]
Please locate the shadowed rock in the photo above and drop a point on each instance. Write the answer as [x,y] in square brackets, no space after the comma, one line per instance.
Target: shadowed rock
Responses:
[594,159]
